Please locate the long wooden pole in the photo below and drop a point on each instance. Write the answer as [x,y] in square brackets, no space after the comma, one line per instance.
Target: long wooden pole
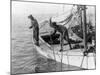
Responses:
[84,28]
[81,19]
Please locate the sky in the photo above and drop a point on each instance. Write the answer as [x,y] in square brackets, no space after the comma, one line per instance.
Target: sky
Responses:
[37,8]
[41,8]
[34,8]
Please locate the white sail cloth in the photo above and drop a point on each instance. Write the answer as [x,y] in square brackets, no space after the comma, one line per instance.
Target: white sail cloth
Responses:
[60,18]
[66,19]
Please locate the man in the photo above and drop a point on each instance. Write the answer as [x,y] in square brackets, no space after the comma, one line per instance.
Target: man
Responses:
[63,31]
[35,26]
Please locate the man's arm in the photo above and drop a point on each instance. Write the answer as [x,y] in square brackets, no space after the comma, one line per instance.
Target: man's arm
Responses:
[32,24]
[54,32]
[30,27]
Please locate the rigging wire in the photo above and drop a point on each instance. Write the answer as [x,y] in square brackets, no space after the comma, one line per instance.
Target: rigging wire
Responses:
[87,61]
[94,59]
[53,53]
[68,60]
[61,61]
[61,43]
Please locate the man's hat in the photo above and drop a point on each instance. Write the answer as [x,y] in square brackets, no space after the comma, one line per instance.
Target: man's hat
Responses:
[30,16]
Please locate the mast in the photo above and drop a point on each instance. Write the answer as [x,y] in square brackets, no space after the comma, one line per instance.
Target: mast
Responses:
[79,9]
[84,27]
[81,18]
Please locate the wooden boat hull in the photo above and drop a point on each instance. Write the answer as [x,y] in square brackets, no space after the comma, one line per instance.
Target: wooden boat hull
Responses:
[68,57]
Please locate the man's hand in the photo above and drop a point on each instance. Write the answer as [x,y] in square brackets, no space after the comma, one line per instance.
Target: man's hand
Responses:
[53,32]
[30,27]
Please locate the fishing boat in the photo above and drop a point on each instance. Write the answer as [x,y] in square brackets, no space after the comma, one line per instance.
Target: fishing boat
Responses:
[75,59]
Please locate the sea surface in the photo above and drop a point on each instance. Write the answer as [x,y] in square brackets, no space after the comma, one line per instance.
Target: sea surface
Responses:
[24,57]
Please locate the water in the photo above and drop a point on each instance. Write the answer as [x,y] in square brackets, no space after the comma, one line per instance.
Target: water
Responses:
[24,56]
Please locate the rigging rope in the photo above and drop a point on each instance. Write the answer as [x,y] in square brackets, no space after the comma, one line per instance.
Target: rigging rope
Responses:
[69,17]
[68,60]
[53,53]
